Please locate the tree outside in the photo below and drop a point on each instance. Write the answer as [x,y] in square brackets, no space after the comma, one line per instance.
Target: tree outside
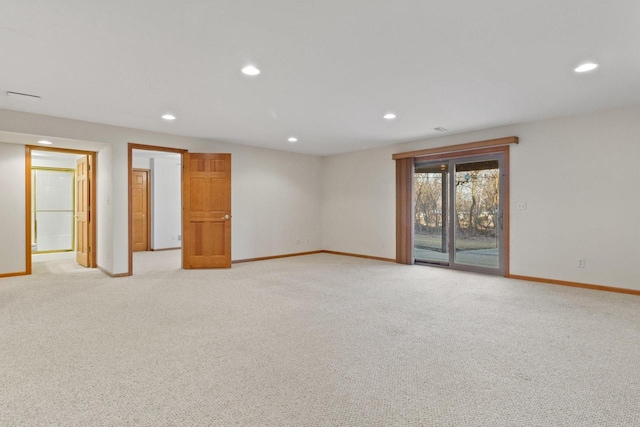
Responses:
[477,206]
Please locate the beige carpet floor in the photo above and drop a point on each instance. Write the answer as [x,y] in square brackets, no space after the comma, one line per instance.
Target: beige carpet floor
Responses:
[319,340]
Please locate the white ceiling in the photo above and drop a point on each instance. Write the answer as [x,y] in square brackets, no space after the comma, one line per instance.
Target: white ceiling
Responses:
[330,69]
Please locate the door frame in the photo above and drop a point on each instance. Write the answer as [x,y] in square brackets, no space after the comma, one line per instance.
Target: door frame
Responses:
[501,155]
[404,189]
[503,180]
[133,146]
[147,221]
[93,218]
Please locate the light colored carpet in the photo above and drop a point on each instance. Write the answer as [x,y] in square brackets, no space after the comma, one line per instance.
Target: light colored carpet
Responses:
[319,340]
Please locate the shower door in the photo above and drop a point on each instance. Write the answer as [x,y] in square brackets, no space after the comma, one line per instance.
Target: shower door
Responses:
[52,204]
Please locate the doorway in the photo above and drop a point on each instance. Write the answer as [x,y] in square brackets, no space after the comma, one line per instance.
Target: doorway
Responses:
[61,225]
[459,212]
[155,208]
[204,203]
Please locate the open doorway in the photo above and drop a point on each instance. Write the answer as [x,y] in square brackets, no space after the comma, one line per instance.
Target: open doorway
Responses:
[155,208]
[60,197]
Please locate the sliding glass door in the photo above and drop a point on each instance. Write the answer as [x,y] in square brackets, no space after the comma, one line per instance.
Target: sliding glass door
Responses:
[431,195]
[478,214]
[459,213]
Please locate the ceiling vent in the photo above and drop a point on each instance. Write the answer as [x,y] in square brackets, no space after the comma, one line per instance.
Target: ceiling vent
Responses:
[440,129]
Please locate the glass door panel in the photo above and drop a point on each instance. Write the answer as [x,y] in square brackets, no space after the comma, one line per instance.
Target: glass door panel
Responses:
[431,242]
[478,214]
[458,208]
[52,209]
[54,231]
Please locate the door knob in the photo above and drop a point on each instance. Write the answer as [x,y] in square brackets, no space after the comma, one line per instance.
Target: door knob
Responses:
[226,217]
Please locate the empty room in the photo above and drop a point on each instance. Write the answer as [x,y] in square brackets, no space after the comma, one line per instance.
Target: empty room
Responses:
[296,213]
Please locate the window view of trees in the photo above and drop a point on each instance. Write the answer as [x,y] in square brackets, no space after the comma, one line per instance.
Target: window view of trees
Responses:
[476,206]
[428,202]
[430,198]
[477,198]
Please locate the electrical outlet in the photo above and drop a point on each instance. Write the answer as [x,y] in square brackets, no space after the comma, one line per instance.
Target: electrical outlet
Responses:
[580,263]
[297,241]
[522,206]
[179,236]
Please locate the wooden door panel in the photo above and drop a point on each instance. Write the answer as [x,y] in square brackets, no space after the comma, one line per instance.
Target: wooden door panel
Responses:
[199,195]
[82,212]
[207,249]
[218,229]
[218,194]
[208,238]
[140,209]
[139,238]
[137,200]
[207,211]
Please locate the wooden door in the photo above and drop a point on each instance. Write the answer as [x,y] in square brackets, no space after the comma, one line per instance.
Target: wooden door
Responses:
[140,209]
[83,211]
[206,219]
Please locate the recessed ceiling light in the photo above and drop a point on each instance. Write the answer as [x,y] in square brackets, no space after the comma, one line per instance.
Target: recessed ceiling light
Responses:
[389,116]
[250,70]
[169,117]
[45,142]
[292,139]
[440,129]
[586,67]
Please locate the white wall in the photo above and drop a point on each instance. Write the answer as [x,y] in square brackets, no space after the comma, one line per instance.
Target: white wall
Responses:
[138,162]
[578,176]
[359,203]
[104,224]
[66,161]
[166,196]
[12,213]
[276,196]
[276,201]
